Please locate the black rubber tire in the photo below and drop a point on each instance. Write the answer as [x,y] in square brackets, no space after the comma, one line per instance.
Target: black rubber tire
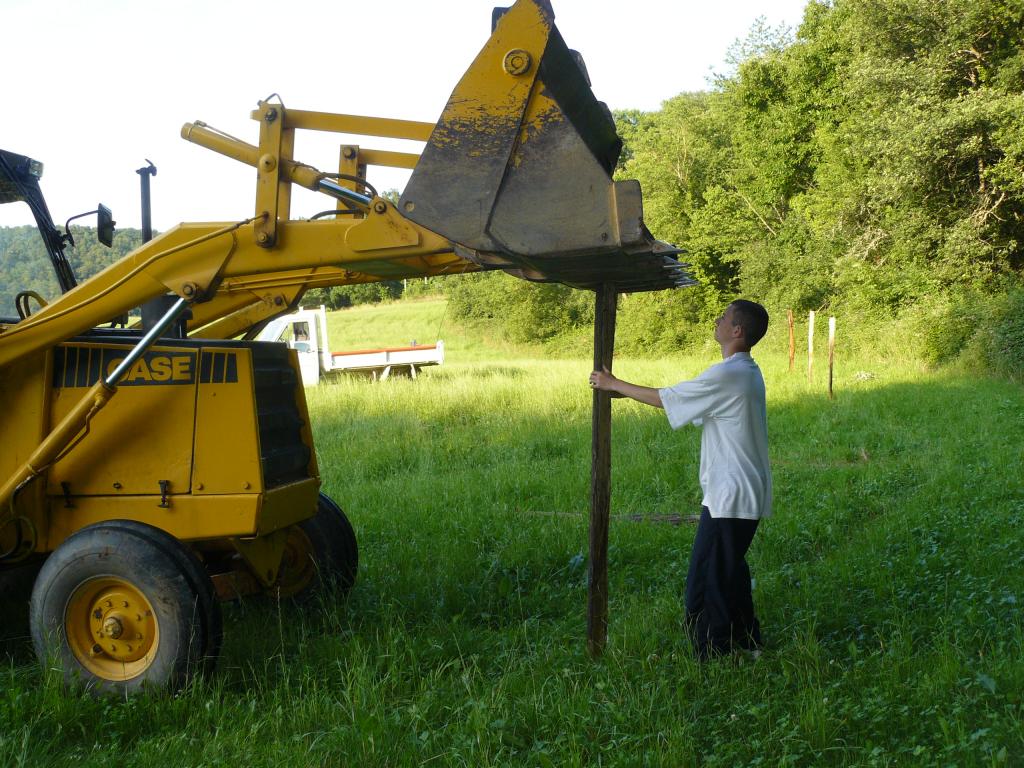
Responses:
[199,578]
[334,551]
[341,556]
[134,558]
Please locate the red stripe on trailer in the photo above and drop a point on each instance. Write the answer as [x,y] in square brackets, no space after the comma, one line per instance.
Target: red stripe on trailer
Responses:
[384,349]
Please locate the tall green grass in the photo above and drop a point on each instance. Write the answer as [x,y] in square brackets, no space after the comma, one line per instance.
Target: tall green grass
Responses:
[889,583]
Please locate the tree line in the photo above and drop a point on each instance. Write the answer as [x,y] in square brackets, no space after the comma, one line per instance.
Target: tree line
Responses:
[25,264]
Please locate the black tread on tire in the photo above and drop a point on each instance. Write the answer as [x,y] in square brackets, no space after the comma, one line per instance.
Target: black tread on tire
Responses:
[343,555]
[133,558]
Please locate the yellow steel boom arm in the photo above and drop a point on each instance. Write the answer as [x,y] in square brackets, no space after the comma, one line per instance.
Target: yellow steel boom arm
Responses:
[212,261]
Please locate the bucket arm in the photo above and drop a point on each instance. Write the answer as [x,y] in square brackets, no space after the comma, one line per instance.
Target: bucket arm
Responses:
[243,305]
[199,262]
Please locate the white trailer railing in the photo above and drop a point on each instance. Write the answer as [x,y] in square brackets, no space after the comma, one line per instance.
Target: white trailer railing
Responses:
[305,331]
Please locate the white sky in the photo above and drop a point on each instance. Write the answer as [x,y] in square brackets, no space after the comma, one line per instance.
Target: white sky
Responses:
[93,89]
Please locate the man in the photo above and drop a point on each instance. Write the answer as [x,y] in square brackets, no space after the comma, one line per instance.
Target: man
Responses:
[728,399]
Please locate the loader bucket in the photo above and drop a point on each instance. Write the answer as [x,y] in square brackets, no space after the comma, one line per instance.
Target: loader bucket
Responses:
[518,170]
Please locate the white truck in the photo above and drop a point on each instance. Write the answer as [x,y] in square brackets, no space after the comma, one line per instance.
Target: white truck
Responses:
[305,331]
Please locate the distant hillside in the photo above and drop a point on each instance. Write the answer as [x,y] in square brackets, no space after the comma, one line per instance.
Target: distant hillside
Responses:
[24,264]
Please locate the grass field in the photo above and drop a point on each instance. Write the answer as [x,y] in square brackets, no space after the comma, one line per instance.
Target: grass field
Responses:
[889,583]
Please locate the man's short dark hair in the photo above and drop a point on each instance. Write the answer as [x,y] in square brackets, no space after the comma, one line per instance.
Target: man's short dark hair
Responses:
[752,318]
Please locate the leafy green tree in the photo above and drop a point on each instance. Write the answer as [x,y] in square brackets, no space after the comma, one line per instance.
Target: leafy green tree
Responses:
[25,264]
[528,311]
[341,296]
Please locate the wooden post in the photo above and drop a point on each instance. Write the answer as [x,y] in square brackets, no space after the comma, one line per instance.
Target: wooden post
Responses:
[810,347]
[792,339]
[600,475]
[831,352]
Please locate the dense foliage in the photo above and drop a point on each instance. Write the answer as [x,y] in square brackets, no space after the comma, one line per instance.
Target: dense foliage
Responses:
[25,265]
[341,296]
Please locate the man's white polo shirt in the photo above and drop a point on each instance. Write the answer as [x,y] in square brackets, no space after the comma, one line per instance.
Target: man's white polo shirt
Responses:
[728,400]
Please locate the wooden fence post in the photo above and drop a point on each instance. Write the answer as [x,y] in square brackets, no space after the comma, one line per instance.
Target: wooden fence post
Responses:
[831,352]
[600,475]
[810,346]
[792,339]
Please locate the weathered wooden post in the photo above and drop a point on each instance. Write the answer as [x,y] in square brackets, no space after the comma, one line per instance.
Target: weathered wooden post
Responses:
[810,346]
[831,353]
[600,474]
[792,340]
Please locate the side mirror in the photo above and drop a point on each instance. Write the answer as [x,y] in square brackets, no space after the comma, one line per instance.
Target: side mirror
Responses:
[105,225]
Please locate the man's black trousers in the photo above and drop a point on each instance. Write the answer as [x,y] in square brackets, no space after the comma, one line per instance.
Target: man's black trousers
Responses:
[719,606]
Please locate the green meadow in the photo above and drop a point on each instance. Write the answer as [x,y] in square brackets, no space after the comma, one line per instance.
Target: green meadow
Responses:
[889,581]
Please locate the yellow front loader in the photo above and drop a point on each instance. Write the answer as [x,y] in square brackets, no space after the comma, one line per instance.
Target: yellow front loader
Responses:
[156,470]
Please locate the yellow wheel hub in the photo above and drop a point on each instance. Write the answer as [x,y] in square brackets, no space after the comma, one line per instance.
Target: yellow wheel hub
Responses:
[298,566]
[111,628]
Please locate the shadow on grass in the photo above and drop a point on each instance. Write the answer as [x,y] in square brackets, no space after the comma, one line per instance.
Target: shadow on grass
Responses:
[15,590]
